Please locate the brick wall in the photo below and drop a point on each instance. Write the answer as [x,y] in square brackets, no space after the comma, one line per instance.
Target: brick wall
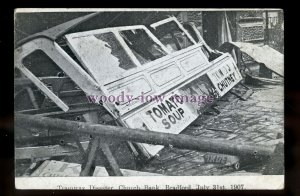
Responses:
[250,26]
[191,16]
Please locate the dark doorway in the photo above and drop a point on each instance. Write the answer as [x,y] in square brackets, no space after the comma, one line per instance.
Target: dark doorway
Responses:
[210,28]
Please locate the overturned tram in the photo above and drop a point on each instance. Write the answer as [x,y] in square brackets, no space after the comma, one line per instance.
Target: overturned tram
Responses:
[156,78]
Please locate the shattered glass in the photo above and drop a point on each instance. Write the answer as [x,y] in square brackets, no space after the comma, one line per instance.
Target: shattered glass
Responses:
[149,51]
[116,50]
[172,36]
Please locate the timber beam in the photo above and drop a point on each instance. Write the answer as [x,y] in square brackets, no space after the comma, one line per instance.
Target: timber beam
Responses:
[151,137]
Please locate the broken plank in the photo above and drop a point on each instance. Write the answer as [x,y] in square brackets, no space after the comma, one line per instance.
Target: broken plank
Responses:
[223,130]
[52,168]
[48,151]
[243,173]
[237,95]
[43,140]
[48,79]
[45,151]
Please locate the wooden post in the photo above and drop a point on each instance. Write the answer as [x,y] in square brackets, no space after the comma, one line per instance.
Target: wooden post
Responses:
[267,28]
[112,164]
[91,157]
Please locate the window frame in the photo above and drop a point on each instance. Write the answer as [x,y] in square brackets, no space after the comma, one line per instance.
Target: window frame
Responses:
[173,19]
[116,31]
[62,60]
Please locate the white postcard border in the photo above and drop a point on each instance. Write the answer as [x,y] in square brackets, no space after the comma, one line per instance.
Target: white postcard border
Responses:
[263,182]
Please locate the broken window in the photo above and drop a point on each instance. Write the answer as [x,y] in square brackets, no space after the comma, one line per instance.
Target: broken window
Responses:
[102,55]
[172,36]
[116,50]
[192,32]
[142,46]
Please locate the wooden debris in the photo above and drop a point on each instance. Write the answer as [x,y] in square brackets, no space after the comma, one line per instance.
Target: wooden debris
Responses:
[224,130]
[51,168]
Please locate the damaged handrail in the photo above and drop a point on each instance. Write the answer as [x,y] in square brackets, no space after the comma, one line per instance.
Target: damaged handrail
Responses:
[150,137]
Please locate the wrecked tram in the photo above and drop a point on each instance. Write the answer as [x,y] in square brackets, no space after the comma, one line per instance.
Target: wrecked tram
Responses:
[66,75]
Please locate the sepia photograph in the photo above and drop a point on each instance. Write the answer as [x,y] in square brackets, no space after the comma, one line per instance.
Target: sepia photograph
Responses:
[149,99]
